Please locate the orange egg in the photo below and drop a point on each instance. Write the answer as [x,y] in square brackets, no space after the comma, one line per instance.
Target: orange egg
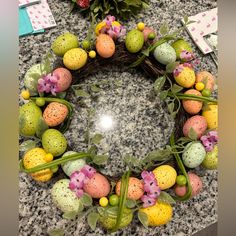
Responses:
[105,46]
[65,78]
[98,186]
[207,78]
[55,113]
[191,106]
[135,189]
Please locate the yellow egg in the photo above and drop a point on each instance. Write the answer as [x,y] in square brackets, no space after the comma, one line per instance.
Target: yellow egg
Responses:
[102,24]
[75,58]
[159,214]
[165,176]
[211,116]
[105,46]
[35,157]
[186,78]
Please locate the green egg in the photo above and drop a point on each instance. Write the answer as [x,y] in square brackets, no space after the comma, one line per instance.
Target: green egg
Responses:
[29,117]
[54,142]
[211,160]
[64,43]
[134,41]
[180,45]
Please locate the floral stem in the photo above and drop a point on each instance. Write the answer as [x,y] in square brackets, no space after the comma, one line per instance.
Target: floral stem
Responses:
[53,163]
[182,168]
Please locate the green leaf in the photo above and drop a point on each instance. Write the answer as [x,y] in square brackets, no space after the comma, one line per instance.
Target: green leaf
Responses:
[97,138]
[143,218]
[159,83]
[163,94]
[164,29]
[171,66]
[80,207]
[184,140]
[86,200]
[146,52]
[130,203]
[171,107]
[70,215]
[93,151]
[61,95]
[159,155]
[92,220]
[81,93]
[42,126]
[113,184]
[165,197]
[185,19]
[100,159]
[176,88]
[95,88]
[27,145]
[56,232]
[192,134]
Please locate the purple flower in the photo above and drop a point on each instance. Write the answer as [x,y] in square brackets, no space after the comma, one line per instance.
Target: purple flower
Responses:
[76,180]
[88,171]
[79,192]
[209,140]
[48,84]
[186,55]
[148,201]
[178,69]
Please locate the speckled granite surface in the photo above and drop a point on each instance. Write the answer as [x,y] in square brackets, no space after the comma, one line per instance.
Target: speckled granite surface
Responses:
[139,126]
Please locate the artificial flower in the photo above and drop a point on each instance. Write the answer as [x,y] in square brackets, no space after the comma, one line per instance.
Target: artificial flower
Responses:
[186,55]
[209,140]
[88,171]
[83,3]
[48,84]
[148,201]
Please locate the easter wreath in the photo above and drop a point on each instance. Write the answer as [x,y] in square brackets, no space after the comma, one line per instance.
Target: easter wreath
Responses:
[47,116]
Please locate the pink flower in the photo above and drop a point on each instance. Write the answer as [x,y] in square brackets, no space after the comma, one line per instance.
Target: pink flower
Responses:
[148,201]
[209,140]
[83,3]
[178,69]
[186,55]
[76,180]
[48,84]
[88,171]
[79,192]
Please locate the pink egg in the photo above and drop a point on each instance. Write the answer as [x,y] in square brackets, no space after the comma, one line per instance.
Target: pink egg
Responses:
[146,32]
[180,190]
[198,123]
[65,78]
[97,187]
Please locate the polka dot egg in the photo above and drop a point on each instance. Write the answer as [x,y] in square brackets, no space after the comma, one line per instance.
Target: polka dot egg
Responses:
[193,155]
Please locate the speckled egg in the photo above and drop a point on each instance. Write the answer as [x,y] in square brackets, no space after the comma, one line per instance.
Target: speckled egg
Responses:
[55,113]
[184,76]
[75,58]
[35,157]
[207,78]
[164,54]
[165,176]
[191,106]
[197,123]
[211,116]
[64,43]
[134,41]
[105,46]
[193,154]
[146,32]
[65,199]
[64,80]
[159,214]
[135,188]
[180,45]
[195,182]
[54,142]
[98,186]
[71,166]
[211,159]
[29,117]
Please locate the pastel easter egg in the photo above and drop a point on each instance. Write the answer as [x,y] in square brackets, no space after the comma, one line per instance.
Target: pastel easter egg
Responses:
[207,78]
[184,76]
[64,43]
[65,199]
[211,115]
[180,45]
[135,188]
[192,106]
[165,176]
[165,54]
[98,186]
[70,167]
[75,58]
[55,113]
[193,154]
[105,46]
[64,78]
[146,32]
[53,141]
[180,190]
[197,123]
[211,159]
[134,41]
[33,158]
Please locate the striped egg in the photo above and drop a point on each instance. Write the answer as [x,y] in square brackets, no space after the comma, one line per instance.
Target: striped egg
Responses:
[55,113]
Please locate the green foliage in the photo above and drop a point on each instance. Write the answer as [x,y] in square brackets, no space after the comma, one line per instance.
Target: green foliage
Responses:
[159,83]
[100,159]
[192,134]
[96,139]
[70,215]
[165,197]
[27,145]
[143,218]
[130,203]
[92,220]
[86,200]
[56,232]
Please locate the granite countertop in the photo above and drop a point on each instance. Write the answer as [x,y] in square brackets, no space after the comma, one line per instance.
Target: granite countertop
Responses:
[130,121]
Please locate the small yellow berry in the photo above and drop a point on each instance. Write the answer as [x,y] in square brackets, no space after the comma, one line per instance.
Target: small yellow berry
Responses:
[103,201]
[25,94]
[199,86]
[141,26]
[48,157]
[92,54]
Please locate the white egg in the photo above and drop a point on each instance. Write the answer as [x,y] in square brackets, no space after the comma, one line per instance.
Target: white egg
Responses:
[71,166]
